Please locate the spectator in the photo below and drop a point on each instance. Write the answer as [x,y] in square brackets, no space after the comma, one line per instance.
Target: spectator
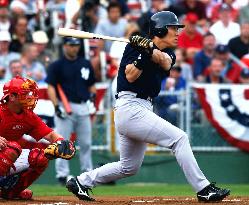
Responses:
[4,19]
[87,15]
[41,40]
[231,70]
[192,6]
[5,55]
[244,13]
[203,58]
[19,7]
[216,9]
[114,26]
[186,69]
[244,76]
[2,74]
[167,106]
[239,46]
[20,34]
[16,68]
[190,40]
[225,29]
[215,72]
[76,77]
[32,67]
[143,21]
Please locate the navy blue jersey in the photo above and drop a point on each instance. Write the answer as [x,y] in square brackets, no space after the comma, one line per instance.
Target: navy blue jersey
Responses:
[74,76]
[149,82]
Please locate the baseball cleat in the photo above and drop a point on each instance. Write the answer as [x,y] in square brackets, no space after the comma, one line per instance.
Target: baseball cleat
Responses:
[24,195]
[74,186]
[211,193]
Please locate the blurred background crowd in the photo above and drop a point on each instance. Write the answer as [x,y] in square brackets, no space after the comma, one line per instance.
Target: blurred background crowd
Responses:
[213,47]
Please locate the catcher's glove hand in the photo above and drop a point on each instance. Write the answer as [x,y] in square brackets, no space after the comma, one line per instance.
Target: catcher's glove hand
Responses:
[62,149]
[142,44]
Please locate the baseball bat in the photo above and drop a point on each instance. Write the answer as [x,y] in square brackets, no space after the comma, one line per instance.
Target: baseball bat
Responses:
[67,32]
[64,100]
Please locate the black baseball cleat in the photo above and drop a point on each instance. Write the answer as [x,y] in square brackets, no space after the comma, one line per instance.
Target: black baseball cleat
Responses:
[74,186]
[211,193]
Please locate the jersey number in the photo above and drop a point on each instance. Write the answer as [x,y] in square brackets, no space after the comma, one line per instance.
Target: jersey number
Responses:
[85,73]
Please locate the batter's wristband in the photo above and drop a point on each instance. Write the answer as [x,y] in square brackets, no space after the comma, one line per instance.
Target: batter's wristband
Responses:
[141,62]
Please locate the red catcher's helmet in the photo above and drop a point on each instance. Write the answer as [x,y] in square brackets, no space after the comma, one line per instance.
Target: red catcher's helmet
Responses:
[26,90]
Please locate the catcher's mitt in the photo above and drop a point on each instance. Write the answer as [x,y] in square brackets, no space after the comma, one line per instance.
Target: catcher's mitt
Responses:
[63,149]
[142,44]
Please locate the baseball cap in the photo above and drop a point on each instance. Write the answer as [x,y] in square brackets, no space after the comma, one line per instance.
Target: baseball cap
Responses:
[244,73]
[71,41]
[191,17]
[40,37]
[5,36]
[222,48]
[224,7]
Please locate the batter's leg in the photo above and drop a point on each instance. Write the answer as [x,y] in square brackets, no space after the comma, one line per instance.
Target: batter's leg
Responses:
[131,158]
[147,126]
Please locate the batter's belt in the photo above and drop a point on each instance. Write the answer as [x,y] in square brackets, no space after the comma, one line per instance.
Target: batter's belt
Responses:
[136,95]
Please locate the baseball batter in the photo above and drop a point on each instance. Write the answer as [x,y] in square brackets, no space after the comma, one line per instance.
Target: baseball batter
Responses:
[144,64]
[20,167]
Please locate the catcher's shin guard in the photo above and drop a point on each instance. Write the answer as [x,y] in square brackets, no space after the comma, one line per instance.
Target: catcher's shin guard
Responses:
[8,156]
[38,163]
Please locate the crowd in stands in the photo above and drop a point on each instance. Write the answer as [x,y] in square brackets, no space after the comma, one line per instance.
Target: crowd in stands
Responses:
[213,47]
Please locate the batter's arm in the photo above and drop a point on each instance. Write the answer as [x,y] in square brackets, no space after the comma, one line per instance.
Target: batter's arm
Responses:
[162,59]
[132,73]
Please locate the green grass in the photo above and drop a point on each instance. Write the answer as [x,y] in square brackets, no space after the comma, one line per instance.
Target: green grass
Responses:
[137,190]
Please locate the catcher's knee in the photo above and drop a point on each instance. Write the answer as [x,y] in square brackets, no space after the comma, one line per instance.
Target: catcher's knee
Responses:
[8,156]
[37,159]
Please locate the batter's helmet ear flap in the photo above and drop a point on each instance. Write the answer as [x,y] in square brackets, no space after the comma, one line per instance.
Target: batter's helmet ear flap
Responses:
[161,32]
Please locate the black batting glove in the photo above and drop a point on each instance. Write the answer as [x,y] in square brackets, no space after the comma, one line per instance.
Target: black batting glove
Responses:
[142,44]
[60,112]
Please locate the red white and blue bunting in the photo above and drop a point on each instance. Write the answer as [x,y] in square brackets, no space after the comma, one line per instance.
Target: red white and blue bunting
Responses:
[227,108]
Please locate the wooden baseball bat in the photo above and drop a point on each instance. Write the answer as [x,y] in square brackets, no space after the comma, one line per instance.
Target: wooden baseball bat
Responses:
[67,32]
[64,100]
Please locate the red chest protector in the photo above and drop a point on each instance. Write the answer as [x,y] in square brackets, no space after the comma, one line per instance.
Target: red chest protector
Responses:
[12,126]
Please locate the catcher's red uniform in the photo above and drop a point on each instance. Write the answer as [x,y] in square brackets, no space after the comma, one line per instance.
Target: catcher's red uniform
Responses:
[20,164]
[13,126]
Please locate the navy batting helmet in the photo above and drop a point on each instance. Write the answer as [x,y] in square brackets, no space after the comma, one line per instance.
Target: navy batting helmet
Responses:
[160,21]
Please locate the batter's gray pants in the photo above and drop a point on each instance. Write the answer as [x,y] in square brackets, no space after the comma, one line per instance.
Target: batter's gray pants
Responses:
[80,123]
[138,125]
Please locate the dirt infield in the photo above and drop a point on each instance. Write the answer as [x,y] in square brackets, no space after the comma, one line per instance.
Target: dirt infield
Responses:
[70,200]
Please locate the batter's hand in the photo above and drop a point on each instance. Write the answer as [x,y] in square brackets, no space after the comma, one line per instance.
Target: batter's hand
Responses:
[142,44]
[3,143]
[64,149]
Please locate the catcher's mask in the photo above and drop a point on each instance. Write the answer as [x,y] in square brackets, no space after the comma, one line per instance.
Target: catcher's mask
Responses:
[25,89]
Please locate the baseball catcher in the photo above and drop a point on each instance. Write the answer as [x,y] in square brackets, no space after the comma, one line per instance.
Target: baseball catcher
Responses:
[20,165]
